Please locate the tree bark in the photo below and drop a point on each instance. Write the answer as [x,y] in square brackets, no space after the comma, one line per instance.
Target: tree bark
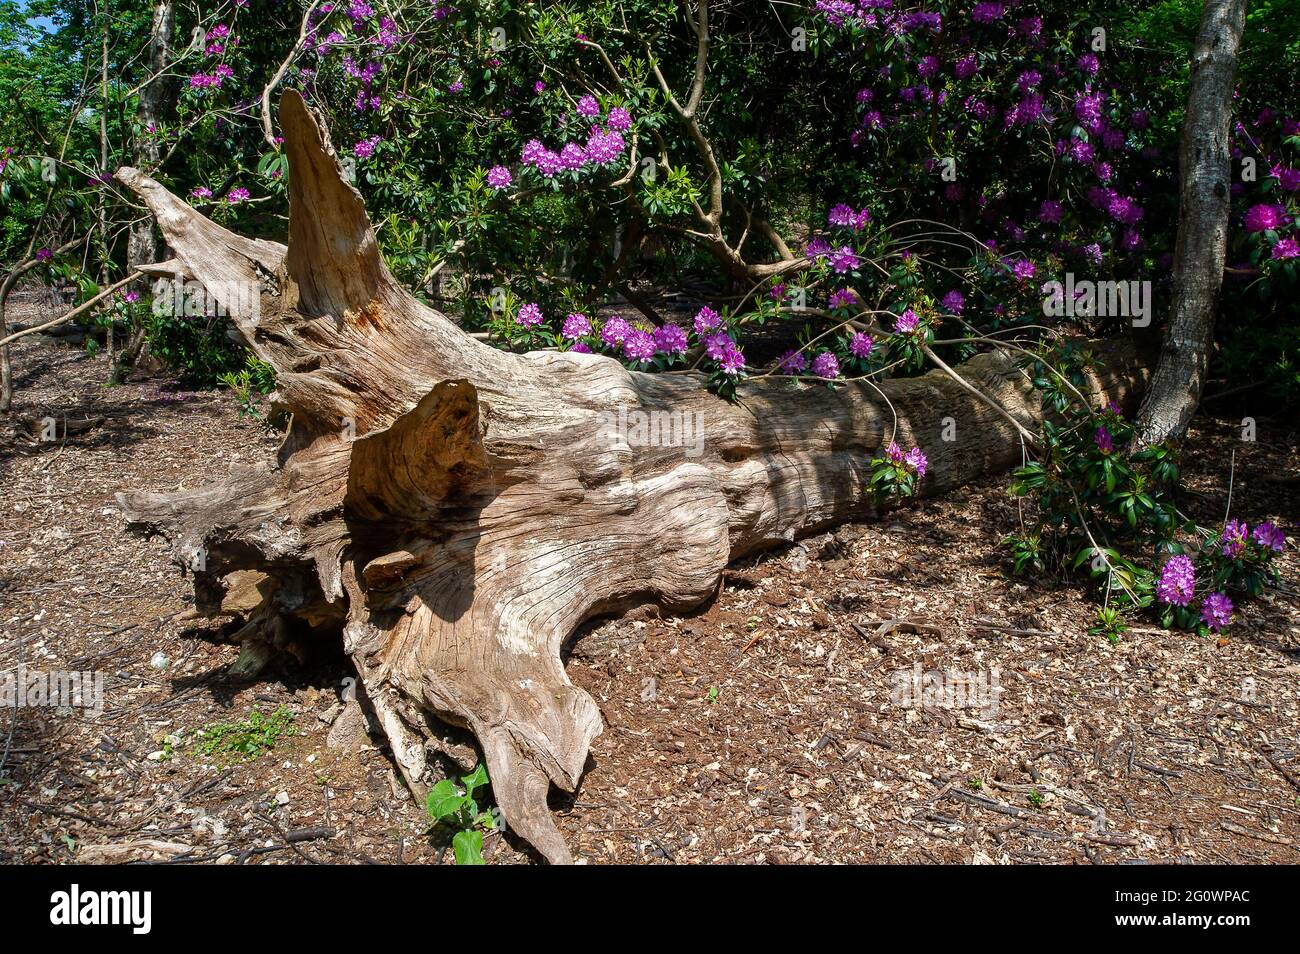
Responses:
[458,511]
[142,244]
[1204,164]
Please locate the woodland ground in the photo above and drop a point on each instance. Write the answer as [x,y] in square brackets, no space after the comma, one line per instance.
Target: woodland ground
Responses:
[758,729]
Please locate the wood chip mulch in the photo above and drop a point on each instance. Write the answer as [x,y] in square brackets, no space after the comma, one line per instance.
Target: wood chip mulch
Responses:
[766,728]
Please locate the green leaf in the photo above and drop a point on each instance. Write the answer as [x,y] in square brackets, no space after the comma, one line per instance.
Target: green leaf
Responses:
[467,846]
[443,801]
[475,779]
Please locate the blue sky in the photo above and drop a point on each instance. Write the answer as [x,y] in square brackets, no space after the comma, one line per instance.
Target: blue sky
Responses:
[42,22]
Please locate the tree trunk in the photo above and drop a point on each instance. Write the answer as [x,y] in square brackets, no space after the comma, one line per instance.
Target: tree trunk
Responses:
[1204,164]
[458,511]
[142,245]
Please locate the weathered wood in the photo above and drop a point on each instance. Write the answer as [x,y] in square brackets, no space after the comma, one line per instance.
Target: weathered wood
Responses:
[458,511]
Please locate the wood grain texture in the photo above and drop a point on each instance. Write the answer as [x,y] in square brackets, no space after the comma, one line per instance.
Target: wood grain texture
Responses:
[458,511]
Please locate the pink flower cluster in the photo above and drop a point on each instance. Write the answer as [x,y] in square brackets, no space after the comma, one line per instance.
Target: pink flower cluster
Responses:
[211,80]
[603,146]
[914,459]
[843,215]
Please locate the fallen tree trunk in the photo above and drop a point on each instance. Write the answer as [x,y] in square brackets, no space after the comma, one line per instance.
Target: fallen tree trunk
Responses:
[458,511]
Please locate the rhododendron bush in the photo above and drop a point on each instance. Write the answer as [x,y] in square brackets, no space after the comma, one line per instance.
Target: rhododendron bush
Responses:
[536,148]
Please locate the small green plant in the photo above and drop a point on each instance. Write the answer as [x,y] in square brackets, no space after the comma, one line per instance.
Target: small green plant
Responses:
[975,783]
[169,746]
[458,813]
[713,694]
[1110,623]
[898,474]
[247,740]
[1026,551]
[1035,797]
[249,384]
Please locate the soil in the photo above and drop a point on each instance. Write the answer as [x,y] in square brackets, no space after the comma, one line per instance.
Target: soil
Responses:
[768,727]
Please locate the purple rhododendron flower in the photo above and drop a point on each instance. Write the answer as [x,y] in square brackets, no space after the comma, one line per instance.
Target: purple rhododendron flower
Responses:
[1288,179]
[615,331]
[1265,216]
[840,214]
[1177,581]
[1216,611]
[843,259]
[1286,248]
[588,107]
[572,156]
[843,298]
[894,452]
[603,147]
[1269,537]
[1234,538]
[499,177]
[716,344]
[916,460]
[733,361]
[576,325]
[619,119]
[1022,269]
[639,345]
[366,147]
[906,322]
[953,302]
[860,344]
[826,365]
[671,339]
[237,195]
[1030,26]
[529,315]
[1103,440]
[706,319]
[837,12]
[792,362]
